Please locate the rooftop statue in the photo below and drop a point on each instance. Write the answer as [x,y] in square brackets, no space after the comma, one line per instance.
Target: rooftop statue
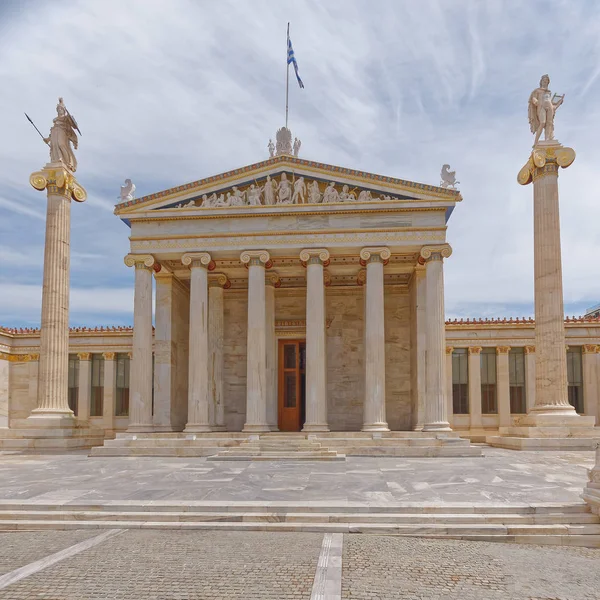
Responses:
[127,191]
[297,144]
[541,109]
[448,178]
[62,135]
[271,147]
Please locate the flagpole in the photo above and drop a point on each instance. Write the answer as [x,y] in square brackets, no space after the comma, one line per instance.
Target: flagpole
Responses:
[287,76]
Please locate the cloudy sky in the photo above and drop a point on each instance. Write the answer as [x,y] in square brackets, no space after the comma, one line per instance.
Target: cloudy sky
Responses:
[167,92]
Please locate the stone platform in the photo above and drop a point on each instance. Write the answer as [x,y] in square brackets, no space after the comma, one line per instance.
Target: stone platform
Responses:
[289,446]
[42,439]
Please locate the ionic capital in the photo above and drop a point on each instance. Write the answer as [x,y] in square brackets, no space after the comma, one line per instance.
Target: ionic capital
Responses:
[318,256]
[142,261]
[195,260]
[529,349]
[273,280]
[449,349]
[545,160]
[429,253]
[84,355]
[256,258]
[219,280]
[502,349]
[475,349]
[58,180]
[377,254]
[361,278]
[327,280]
[109,355]
[34,357]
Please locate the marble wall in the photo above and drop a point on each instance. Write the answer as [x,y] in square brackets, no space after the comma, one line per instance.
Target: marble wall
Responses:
[4,387]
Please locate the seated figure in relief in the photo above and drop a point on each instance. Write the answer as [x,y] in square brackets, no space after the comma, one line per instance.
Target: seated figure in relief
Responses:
[253,193]
[284,191]
[314,194]
[364,196]
[237,197]
[346,195]
[330,194]
[299,191]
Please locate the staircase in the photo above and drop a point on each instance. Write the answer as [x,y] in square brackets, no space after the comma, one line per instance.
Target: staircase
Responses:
[269,446]
[557,523]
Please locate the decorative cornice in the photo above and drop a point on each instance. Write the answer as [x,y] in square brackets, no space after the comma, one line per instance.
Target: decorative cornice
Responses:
[590,349]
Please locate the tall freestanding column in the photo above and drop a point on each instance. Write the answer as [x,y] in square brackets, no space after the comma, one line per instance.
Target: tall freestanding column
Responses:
[217,284]
[140,379]
[256,374]
[374,405]
[198,392]
[316,366]
[436,418]
[272,282]
[61,186]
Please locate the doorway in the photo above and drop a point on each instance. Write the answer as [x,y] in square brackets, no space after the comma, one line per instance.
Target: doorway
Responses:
[292,385]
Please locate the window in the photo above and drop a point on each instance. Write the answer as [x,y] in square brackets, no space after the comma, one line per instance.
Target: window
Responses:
[73,382]
[97,394]
[460,382]
[575,378]
[489,406]
[122,400]
[516,371]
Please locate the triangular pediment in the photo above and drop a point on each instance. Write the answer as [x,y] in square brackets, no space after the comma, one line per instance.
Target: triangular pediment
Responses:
[287,180]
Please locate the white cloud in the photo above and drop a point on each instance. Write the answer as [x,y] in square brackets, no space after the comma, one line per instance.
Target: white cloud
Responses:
[171,92]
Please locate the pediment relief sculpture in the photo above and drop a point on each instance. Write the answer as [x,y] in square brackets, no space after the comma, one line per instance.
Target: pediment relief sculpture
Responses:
[284,189]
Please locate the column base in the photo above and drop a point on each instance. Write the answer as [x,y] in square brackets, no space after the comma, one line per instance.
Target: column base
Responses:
[375,427]
[315,427]
[51,420]
[197,428]
[256,428]
[140,429]
[438,426]
[552,415]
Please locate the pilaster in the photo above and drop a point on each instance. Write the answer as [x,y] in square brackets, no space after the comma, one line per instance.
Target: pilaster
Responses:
[529,376]
[110,391]
[503,385]
[590,367]
[474,368]
[85,386]
[449,399]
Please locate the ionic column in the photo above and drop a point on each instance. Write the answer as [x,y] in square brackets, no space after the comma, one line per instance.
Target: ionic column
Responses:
[110,390]
[374,406]
[529,377]
[53,395]
[217,283]
[272,282]
[316,370]
[551,361]
[420,350]
[256,373]
[449,399]
[85,386]
[140,380]
[589,365]
[198,391]
[503,386]
[474,369]
[436,417]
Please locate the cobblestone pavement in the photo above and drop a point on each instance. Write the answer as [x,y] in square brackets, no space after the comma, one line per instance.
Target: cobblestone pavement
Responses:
[499,476]
[395,568]
[182,565]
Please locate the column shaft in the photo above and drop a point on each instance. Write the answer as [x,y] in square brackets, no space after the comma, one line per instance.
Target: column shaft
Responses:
[436,418]
[449,398]
[54,335]
[590,380]
[198,397]
[271,354]
[256,370]
[216,332]
[140,382]
[551,360]
[503,386]
[85,386]
[474,368]
[110,391]
[374,406]
[316,370]
[420,284]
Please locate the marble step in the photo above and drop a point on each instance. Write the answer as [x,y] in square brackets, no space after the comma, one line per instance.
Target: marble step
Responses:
[508,520]
[250,454]
[178,450]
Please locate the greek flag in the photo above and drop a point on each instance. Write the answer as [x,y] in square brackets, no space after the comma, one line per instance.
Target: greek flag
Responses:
[292,60]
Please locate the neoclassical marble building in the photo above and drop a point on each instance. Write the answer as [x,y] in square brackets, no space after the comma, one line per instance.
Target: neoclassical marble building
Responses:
[296,296]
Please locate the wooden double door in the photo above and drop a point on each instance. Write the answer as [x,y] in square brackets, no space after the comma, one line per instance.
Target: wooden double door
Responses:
[292,385]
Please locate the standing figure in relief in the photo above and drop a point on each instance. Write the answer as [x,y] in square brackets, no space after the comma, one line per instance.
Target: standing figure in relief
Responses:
[346,195]
[269,190]
[314,194]
[271,147]
[330,194]
[541,109]
[62,135]
[253,195]
[284,190]
[364,196]
[299,191]
[237,198]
